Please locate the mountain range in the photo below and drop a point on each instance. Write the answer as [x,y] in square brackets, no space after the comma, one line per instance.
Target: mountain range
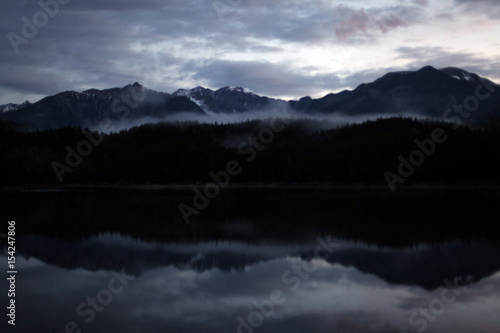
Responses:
[428,92]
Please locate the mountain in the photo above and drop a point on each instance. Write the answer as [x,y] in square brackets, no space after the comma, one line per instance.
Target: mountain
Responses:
[90,107]
[99,253]
[229,100]
[427,92]
[13,107]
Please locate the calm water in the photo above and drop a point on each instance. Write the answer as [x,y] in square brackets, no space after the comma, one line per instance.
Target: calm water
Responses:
[256,261]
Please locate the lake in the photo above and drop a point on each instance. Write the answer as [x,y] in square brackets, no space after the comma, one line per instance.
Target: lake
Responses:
[255,260]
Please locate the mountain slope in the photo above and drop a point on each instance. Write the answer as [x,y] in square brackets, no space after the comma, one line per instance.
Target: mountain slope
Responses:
[90,107]
[229,100]
[428,92]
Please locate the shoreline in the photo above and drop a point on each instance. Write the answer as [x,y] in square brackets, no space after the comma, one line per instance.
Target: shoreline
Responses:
[243,186]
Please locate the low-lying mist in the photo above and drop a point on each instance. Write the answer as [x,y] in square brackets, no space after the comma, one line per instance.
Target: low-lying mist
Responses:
[316,122]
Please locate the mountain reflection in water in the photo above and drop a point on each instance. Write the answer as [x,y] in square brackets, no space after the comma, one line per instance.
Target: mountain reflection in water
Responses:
[220,273]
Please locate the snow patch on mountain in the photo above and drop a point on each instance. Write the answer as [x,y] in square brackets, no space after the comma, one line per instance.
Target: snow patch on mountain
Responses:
[241,89]
[13,107]
[458,74]
[182,93]
[198,102]
[467,76]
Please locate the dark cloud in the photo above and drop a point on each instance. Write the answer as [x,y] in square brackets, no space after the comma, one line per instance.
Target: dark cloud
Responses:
[421,2]
[355,22]
[111,43]
[376,21]
[490,8]
[166,45]
[478,2]
[390,22]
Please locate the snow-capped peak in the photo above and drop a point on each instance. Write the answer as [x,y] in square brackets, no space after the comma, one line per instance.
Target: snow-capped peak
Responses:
[13,107]
[182,92]
[189,92]
[195,95]
[241,89]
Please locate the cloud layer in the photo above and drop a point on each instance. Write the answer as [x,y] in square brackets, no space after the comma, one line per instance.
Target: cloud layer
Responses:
[285,49]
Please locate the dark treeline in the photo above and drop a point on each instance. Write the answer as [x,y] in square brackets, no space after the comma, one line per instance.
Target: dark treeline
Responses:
[403,219]
[185,153]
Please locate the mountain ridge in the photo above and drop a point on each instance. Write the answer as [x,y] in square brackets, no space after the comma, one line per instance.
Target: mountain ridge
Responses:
[92,106]
[428,92]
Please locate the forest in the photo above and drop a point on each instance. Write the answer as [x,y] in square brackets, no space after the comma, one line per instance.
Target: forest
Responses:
[292,152]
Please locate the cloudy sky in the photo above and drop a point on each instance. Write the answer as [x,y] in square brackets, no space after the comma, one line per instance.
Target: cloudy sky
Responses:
[279,48]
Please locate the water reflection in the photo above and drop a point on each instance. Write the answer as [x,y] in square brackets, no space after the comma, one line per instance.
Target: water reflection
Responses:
[224,286]
[245,264]
[425,266]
